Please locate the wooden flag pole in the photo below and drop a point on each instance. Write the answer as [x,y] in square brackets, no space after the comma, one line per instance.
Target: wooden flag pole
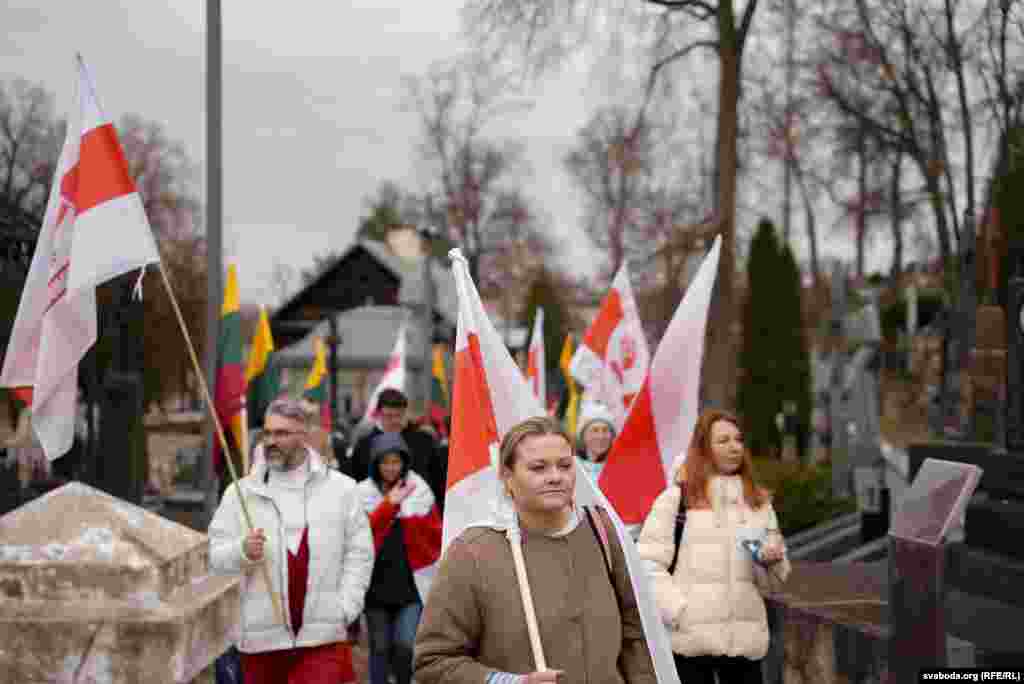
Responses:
[275,597]
[515,540]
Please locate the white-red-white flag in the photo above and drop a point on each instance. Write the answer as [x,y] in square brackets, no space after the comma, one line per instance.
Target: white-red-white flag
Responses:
[94,229]
[393,378]
[612,359]
[535,359]
[657,432]
[490,396]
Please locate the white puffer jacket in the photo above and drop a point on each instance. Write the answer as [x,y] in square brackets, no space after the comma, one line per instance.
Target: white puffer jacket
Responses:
[712,603]
[340,559]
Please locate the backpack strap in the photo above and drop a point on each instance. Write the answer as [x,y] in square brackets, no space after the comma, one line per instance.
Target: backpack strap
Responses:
[597,525]
[677,533]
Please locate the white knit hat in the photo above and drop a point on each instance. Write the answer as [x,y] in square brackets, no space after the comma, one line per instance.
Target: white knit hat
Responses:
[590,412]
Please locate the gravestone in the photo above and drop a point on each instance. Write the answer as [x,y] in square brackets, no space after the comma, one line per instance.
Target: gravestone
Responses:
[854,399]
[96,590]
[935,503]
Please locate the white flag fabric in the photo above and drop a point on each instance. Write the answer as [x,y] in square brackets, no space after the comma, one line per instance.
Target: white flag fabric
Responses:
[393,378]
[656,435]
[536,361]
[94,229]
[613,357]
[490,396]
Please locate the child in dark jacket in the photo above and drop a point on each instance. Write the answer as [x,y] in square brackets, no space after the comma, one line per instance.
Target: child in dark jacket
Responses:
[406,529]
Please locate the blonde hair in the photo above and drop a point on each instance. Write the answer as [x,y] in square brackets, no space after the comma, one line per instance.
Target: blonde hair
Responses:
[537,426]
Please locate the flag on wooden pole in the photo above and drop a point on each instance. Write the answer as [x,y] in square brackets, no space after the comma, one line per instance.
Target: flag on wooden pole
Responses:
[490,396]
[316,390]
[230,389]
[262,375]
[94,229]
[657,431]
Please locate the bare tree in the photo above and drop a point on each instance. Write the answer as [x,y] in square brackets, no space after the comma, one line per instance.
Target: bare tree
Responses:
[30,140]
[165,176]
[469,170]
[613,164]
[547,29]
[166,179]
[899,69]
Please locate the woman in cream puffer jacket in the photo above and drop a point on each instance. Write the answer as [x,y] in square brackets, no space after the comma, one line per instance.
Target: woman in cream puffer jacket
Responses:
[712,602]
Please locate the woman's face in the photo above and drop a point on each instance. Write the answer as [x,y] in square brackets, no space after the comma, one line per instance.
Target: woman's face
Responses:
[543,477]
[390,468]
[726,447]
[597,440]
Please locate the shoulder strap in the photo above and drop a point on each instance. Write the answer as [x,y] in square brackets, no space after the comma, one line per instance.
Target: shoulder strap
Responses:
[597,525]
[677,533]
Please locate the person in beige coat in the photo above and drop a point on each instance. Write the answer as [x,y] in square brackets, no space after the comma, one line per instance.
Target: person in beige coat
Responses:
[473,629]
[730,553]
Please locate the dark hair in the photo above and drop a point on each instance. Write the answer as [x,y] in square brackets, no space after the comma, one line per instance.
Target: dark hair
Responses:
[699,466]
[531,427]
[392,398]
[289,408]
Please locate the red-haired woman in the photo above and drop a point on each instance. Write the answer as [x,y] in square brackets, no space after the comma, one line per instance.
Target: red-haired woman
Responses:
[729,554]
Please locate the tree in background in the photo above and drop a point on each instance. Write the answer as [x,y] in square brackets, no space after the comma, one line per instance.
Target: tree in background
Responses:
[473,177]
[795,360]
[761,359]
[30,141]
[547,292]
[612,164]
[549,31]
[167,182]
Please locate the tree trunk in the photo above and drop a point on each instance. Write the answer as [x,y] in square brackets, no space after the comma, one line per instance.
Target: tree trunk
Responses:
[897,218]
[812,225]
[862,196]
[719,377]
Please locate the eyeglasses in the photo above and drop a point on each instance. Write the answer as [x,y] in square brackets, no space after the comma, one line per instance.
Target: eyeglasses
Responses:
[280,434]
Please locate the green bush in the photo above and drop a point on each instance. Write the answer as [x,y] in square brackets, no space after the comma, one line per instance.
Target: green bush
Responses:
[801,495]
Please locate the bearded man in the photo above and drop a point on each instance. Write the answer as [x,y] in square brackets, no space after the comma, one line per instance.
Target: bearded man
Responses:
[310,528]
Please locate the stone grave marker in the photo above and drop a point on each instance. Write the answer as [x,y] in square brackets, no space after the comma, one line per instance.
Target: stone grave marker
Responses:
[94,589]
[933,506]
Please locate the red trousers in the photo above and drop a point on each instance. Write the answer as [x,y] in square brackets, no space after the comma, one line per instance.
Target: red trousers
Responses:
[327,664]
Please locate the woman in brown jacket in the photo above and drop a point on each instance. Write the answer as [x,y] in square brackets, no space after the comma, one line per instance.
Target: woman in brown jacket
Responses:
[473,629]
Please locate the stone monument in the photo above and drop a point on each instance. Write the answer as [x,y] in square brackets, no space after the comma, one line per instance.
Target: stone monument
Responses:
[933,507]
[96,590]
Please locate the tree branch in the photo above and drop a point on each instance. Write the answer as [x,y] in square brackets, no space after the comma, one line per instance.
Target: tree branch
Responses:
[748,18]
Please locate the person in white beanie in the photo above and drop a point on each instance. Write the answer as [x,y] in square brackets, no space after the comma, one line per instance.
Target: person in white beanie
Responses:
[594,437]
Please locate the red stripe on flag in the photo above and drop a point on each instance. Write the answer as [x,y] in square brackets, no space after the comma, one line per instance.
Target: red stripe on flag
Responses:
[473,425]
[634,475]
[608,318]
[105,176]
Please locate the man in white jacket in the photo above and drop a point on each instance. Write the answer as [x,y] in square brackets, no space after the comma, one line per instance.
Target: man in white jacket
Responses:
[311,530]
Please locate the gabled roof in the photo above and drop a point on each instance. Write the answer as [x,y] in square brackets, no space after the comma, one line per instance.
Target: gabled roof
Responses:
[366,274]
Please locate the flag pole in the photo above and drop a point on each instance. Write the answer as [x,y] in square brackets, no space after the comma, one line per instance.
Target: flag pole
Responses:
[515,540]
[219,429]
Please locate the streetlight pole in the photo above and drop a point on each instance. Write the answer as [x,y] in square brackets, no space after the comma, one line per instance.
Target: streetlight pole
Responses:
[429,304]
[214,220]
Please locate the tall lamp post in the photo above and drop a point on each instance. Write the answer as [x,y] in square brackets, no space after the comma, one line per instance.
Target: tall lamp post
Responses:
[428,232]
[214,219]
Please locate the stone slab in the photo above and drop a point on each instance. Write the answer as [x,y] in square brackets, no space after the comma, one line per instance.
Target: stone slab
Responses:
[94,589]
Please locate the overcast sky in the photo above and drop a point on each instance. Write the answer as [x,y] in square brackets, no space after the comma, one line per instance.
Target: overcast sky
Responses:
[313,114]
[312,106]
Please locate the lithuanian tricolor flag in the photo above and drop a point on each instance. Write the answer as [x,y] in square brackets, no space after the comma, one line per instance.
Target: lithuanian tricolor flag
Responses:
[439,399]
[571,401]
[229,392]
[262,375]
[316,384]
